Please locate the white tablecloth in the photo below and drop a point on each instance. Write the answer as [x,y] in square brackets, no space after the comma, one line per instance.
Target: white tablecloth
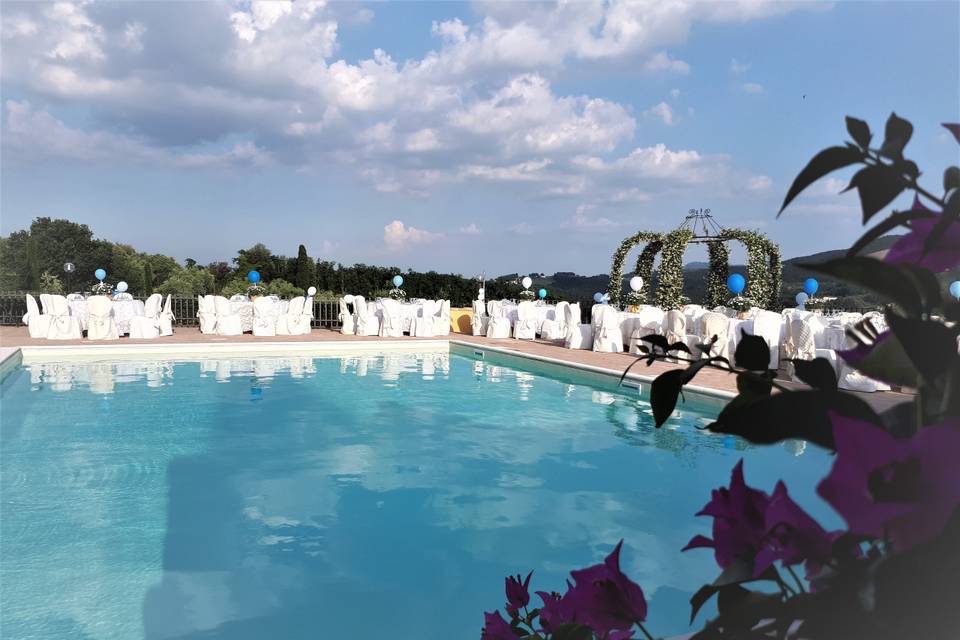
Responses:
[544,312]
[244,308]
[123,312]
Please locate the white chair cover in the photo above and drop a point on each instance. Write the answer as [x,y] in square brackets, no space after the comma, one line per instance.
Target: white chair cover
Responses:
[346,319]
[38,324]
[45,306]
[649,323]
[264,316]
[299,316]
[227,322]
[767,325]
[498,326]
[441,325]
[167,318]
[606,336]
[525,327]
[480,319]
[100,322]
[207,314]
[579,336]
[391,322]
[146,326]
[367,322]
[423,325]
[715,324]
[555,329]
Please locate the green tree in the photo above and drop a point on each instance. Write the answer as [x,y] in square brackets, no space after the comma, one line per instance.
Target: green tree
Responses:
[306,269]
[31,274]
[188,282]
[256,258]
[50,283]
[147,277]
[284,289]
[221,273]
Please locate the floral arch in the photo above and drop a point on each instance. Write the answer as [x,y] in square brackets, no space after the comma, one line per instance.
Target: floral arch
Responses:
[763,263]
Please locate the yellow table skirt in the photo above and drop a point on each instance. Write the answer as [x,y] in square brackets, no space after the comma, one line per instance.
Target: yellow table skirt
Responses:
[460,319]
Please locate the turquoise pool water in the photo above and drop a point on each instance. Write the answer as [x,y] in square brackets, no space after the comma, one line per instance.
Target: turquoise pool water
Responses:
[359,497]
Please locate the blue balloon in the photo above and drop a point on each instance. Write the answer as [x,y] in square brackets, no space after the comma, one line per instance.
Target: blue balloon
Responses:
[955,289]
[254,277]
[736,283]
[397,281]
[100,273]
[810,286]
[598,297]
[542,293]
[801,299]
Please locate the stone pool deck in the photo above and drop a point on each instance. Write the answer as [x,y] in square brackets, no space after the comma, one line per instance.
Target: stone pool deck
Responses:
[11,338]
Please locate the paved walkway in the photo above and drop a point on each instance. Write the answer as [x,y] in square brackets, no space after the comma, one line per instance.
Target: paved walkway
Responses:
[616,362]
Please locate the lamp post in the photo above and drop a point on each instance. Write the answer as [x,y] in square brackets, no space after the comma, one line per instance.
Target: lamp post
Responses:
[68,268]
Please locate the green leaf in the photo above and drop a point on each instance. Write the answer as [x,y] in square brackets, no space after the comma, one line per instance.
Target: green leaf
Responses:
[859,131]
[825,162]
[751,386]
[896,219]
[877,187]
[890,281]
[752,353]
[738,572]
[666,388]
[951,178]
[791,415]
[657,341]
[896,136]
[930,345]
[926,283]
[572,631]
[818,373]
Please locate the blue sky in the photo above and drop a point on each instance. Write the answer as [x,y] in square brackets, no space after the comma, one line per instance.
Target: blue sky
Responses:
[461,137]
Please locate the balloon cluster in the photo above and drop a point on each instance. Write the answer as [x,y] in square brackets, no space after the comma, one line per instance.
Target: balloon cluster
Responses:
[601,298]
[397,281]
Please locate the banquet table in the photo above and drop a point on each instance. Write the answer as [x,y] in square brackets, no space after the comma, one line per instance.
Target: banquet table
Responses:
[123,311]
[408,311]
[543,311]
[244,309]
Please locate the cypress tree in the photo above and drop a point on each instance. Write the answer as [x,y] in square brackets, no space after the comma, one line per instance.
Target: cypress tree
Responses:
[306,269]
[32,275]
[148,277]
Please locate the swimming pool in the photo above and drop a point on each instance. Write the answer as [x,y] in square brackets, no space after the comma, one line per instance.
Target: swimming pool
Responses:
[360,496]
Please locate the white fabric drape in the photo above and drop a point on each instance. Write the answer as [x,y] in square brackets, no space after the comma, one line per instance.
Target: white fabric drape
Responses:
[100,322]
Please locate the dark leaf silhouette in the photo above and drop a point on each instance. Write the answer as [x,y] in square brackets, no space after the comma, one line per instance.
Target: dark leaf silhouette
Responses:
[877,187]
[951,178]
[818,373]
[752,352]
[896,136]
[666,388]
[895,220]
[930,345]
[890,281]
[825,162]
[859,131]
[739,572]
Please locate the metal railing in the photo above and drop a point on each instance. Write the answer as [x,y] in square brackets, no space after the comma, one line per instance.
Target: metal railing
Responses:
[13,306]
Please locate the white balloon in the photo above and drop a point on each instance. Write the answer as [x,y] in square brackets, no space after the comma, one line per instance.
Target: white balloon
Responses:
[636,283]
[312,291]
[348,299]
[527,282]
[122,286]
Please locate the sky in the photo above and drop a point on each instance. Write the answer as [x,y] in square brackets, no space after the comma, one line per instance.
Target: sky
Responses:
[464,137]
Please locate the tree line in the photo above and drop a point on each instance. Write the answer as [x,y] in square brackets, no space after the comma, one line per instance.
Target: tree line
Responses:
[33,260]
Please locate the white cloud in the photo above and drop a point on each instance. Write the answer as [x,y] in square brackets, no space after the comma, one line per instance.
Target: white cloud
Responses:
[738,67]
[523,172]
[753,87]
[582,222]
[470,230]
[522,228]
[133,36]
[397,236]
[661,111]
[663,62]
[759,183]
[675,94]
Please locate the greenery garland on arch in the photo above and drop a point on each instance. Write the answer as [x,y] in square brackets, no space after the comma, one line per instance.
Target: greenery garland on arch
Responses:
[763,268]
[670,285]
[717,293]
[616,269]
[644,267]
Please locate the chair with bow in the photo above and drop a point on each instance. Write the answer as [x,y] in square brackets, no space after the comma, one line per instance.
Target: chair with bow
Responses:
[347,327]
[38,324]
[391,321]
[499,325]
[525,328]
[555,328]
[423,324]
[606,336]
[579,336]
[366,321]
[100,322]
[479,319]
[146,326]
[228,322]
[264,317]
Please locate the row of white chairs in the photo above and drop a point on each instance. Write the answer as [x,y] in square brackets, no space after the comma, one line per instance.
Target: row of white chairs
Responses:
[53,320]
[216,316]
[383,318]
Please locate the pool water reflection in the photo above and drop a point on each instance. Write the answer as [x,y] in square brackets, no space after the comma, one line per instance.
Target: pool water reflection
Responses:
[354,497]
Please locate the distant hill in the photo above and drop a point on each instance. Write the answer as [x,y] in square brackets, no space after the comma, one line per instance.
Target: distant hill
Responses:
[570,286]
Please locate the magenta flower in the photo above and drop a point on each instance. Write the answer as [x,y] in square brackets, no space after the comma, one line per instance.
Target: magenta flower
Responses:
[518,594]
[908,249]
[496,628]
[904,490]
[602,598]
[793,536]
[738,520]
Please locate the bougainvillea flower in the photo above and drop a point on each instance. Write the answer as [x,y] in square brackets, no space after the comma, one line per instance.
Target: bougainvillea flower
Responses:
[793,536]
[518,595]
[944,255]
[954,129]
[901,489]
[604,598]
[554,611]
[496,628]
[738,520]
